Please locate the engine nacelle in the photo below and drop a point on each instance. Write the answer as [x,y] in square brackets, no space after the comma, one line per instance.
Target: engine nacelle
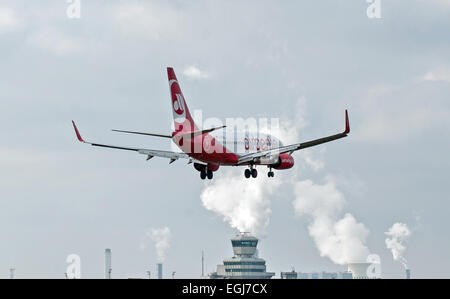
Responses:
[285,161]
[269,160]
[202,167]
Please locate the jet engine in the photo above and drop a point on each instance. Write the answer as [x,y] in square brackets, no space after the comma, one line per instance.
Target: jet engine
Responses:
[285,161]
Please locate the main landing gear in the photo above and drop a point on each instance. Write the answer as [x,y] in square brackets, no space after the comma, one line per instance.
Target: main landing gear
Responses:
[206,174]
[252,172]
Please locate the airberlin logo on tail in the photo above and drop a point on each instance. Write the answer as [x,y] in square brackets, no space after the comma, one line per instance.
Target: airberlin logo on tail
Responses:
[178,103]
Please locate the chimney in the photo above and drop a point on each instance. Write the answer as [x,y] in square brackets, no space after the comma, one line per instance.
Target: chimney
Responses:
[408,274]
[108,268]
[160,270]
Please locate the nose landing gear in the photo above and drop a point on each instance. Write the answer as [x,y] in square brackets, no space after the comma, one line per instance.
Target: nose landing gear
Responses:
[270,174]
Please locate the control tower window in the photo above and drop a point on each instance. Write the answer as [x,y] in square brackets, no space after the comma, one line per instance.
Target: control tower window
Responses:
[244,243]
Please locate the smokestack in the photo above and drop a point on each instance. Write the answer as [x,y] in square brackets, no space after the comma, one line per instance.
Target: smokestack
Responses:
[203,264]
[108,264]
[408,274]
[160,270]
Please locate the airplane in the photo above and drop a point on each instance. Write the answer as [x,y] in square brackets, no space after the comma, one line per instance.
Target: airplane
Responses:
[209,149]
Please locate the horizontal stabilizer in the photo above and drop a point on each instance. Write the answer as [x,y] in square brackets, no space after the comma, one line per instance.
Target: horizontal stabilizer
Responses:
[197,133]
[141,133]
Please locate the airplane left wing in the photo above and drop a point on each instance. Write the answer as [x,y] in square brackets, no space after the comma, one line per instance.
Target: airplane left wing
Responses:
[253,157]
[173,156]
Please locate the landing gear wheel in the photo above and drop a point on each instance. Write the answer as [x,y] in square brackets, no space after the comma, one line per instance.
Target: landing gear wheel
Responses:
[203,175]
[270,174]
[247,173]
[209,174]
[254,173]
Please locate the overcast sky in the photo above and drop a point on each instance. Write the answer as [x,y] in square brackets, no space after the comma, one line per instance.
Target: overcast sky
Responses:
[233,59]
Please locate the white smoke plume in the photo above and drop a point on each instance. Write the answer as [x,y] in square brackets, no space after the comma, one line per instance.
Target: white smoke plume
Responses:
[161,237]
[397,235]
[340,239]
[243,203]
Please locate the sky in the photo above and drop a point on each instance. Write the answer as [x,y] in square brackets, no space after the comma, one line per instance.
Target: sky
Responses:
[303,62]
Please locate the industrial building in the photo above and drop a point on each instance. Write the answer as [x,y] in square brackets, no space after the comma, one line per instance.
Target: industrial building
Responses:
[289,275]
[244,264]
[325,275]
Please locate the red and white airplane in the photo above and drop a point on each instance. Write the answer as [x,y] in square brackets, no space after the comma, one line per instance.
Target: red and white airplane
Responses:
[208,149]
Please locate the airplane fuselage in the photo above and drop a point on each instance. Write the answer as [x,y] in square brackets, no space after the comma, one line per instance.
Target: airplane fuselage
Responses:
[225,148]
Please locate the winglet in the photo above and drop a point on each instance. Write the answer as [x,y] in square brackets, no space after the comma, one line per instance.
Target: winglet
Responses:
[347,123]
[78,133]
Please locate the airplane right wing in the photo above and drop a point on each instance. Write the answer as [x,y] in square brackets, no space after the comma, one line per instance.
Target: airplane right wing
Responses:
[252,157]
[173,156]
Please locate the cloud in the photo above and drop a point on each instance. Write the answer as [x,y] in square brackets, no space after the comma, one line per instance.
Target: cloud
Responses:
[56,42]
[438,75]
[392,113]
[288,130]
[442,3]
[9,21]
[194,73]
[147,20]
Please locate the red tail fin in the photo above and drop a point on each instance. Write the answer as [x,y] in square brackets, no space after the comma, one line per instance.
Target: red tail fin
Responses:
[181,115]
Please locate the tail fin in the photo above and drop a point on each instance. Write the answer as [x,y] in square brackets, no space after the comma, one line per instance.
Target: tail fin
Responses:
[181,116]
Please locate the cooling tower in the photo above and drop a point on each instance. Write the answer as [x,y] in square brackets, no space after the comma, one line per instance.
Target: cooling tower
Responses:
[359,270]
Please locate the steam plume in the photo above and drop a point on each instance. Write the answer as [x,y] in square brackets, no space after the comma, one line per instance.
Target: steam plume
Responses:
[243,203]
[161,237]
[398,234]
[340,239]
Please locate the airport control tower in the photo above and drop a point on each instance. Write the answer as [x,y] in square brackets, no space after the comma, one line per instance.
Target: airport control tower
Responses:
[244,264]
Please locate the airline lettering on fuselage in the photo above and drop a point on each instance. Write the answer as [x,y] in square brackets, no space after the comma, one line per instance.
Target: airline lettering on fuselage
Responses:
[259,144]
